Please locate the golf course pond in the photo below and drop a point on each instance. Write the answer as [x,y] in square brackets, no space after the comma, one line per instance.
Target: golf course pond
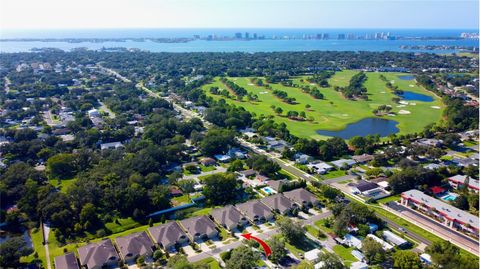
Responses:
[406,77]
[368,126]
[413,96]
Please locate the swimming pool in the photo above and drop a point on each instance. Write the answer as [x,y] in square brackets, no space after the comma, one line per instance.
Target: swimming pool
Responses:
[268,190]
[449,197]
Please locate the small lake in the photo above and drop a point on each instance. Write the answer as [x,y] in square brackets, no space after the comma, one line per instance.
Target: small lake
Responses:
[364,127]
[413,96]
[406,77]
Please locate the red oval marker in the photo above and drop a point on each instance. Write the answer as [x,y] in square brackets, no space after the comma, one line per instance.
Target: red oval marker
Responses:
[264,245]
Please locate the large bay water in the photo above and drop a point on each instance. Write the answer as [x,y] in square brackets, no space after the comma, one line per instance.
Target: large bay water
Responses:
[286,40]
[368,126]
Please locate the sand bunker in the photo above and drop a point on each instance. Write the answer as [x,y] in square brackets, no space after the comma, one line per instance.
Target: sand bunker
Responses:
[382,92]
[404,112]
[263,92]
[392,81]
[435,107]
[413,104]
[250,84]
[411,85]
[401,106]
[403,102]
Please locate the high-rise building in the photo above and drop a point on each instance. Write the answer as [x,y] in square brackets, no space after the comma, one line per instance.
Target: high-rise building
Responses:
[254,35]
[238,35]
[341,36]
[247,35]
[325,36]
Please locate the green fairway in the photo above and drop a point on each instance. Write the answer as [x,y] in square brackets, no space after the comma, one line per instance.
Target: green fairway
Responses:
[334,112]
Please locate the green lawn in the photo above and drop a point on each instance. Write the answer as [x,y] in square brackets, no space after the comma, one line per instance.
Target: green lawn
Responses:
[392,198]
[335,112]
[207,168]
[63,185]
[180,200]
[345,254]
[121,225]
[299,248]
[470,143]
[201,212]
[210,261]
[321,225]
[334,174]
[37,239]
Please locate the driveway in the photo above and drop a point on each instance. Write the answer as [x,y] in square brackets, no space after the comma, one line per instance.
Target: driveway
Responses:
[189,251]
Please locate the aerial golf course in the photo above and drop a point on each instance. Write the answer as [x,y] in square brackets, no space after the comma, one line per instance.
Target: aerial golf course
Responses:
[335,112]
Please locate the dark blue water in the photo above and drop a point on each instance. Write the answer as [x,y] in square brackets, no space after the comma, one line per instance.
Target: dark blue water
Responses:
[406,77]
[372,126]
[412,96]
[286,40]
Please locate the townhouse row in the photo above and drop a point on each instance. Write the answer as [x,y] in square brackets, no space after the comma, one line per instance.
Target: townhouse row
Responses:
[174,234]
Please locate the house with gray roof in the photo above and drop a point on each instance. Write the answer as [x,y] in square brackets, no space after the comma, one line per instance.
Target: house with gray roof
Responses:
[229,217]
[342,163]
[67,261]
[279,203]
[98,255]
[277,184]
[256,211]
[302,197]
[168,235]
[134,245]
[200,228]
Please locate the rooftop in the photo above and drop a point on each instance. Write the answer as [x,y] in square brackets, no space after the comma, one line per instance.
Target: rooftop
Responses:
[364,186]
[301,196]
[278,202]
[136,244]
[67,261]
[97,254]
[167,234]
[254,209]
[198,225]
[227,215]
[445,209]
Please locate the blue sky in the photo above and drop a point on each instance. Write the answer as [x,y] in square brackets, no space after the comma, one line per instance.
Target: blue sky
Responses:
[31,14]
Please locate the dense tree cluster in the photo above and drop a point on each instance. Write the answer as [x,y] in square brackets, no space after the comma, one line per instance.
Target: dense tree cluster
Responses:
[239,91]
[355,88]
[321,78]
[323,149]
[263,165]
[284,96]
[353,214]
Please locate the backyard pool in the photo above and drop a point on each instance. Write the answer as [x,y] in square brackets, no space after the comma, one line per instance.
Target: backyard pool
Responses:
[449,197]
[268,190]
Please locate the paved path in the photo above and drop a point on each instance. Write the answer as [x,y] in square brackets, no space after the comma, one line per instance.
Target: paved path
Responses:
[46,232]
[114,73]
[219,169]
